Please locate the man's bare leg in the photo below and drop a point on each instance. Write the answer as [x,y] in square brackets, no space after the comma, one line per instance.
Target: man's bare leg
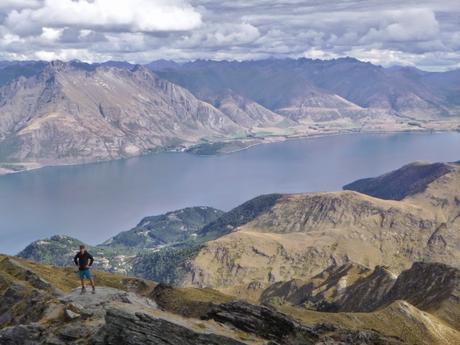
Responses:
[83,289]
[92,284]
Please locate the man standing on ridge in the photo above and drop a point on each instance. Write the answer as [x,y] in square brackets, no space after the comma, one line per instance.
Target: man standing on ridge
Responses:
[84,260]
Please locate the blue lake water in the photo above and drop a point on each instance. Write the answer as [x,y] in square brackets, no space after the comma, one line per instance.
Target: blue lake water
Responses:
[93,202]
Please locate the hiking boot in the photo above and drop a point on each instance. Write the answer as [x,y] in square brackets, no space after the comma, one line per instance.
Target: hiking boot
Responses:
[83,291]
[94,291]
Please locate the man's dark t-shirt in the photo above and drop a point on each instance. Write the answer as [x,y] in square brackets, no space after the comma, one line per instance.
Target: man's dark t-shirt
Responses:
[81,260]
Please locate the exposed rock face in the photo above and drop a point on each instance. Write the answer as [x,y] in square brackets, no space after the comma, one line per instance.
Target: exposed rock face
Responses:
[280,328]
[125,328]
[68,114]
[264,322]
[247,112]
[22,334]
[23,293]
[367,293]
[426,295]
[111,316]
[431,287]
[435,188]
[349,287]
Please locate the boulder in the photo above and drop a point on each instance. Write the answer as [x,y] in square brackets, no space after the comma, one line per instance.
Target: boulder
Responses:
[142,329]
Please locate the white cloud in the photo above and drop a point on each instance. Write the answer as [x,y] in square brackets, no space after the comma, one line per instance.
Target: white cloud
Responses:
[404,26]
[107,15]
[224,34]
[314,53]
[51,34]
[68,54]
[423,33]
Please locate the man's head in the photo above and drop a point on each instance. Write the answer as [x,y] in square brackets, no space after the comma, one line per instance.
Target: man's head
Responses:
[82,248]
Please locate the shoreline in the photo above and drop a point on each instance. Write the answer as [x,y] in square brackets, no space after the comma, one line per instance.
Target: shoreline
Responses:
[262,141]
[279,139]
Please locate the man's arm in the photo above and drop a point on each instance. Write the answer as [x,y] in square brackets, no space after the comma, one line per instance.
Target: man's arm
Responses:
[91,259]
[75,259]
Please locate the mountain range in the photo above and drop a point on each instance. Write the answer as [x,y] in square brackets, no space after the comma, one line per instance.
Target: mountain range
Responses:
[58,112]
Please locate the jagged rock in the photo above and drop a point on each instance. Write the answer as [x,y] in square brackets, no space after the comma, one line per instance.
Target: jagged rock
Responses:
[433,287]
[96,304]
[22,272]
[30,334]
[78,308]
[70,315]
[20,304]
[264,322]
[367,293]
[346,288]
[142,329]
[279,328]
[75,331]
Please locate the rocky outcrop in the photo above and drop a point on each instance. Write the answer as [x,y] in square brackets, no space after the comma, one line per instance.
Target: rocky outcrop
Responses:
[282,329]
[113,315]
[23,293]
[264,322]
[367,293]
[140,328]
[431,287]
[350,287]
[23,334]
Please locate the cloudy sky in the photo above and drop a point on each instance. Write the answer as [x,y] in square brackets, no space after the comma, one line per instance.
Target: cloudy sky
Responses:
[423,33]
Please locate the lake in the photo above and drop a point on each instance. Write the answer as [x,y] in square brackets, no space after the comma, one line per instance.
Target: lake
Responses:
[96,201]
